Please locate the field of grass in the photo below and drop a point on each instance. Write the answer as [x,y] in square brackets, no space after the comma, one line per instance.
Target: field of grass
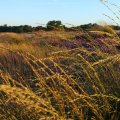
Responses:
[59,75]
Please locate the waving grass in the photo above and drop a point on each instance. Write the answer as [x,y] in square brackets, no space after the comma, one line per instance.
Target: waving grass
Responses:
[80,83]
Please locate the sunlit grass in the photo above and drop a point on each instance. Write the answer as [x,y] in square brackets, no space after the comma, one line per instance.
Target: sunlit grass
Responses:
[70,82]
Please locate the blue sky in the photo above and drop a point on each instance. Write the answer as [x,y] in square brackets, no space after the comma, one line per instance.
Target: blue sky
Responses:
[32,12]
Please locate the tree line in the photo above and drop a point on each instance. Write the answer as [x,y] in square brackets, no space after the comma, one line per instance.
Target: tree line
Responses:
[54,25]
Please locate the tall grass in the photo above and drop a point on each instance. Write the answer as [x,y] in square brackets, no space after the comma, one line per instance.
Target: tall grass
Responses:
[60,76]
[72,83]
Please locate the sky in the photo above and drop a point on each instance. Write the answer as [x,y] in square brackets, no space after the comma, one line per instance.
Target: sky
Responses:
[37,12]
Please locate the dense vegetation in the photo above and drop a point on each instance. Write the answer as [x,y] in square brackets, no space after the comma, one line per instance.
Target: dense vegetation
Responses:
[58,75]
[56,25]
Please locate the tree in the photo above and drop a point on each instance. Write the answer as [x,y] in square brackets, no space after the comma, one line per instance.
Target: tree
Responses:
[86,26]
[27,28]
[39,28]
[53,25]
